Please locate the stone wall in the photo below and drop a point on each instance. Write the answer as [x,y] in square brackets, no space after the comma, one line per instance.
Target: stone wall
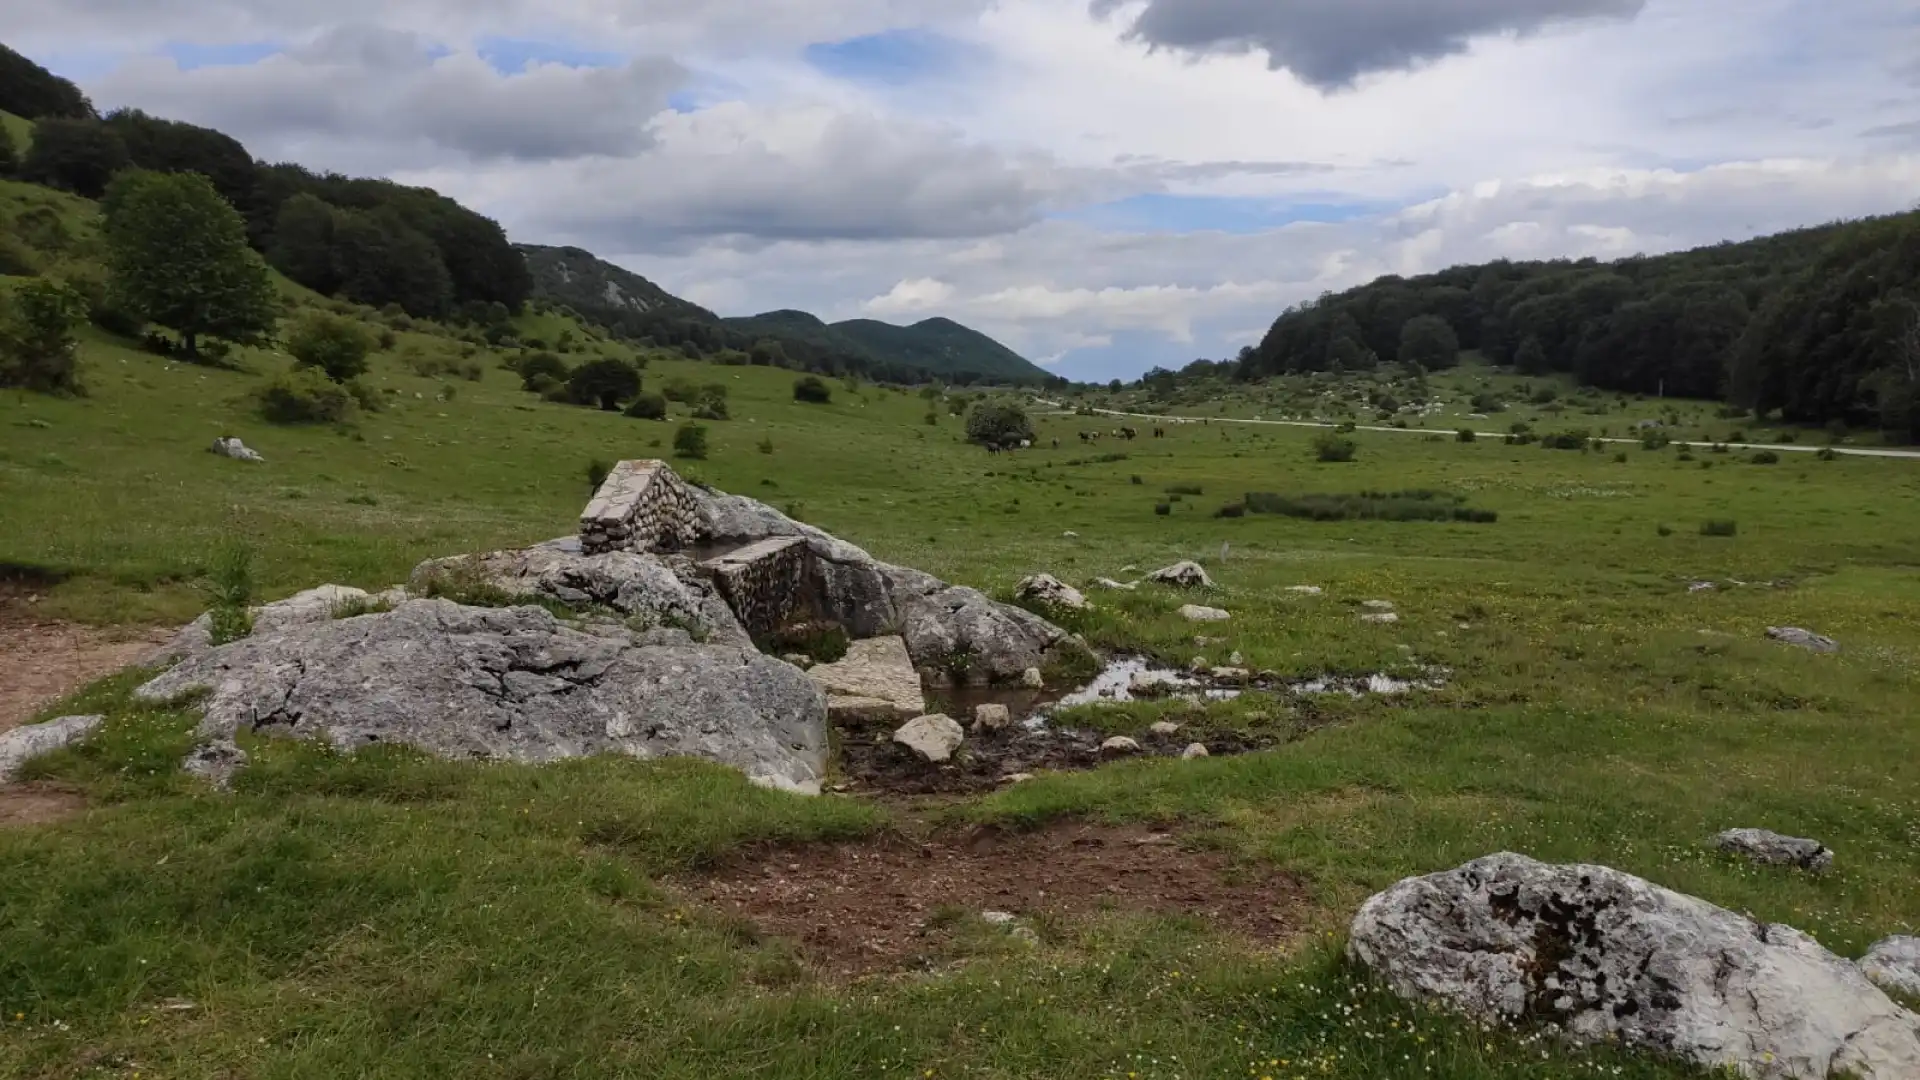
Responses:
[766,583]
[642,506]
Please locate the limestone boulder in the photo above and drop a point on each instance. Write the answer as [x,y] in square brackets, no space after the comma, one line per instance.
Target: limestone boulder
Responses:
[934,738]
[1606,955]
[1894,964]
[506,684]
[875,682]
[662,590]
[315,605]
[1202,613]
[23,744]
[1772,849]
[228,446]
[1803,639]
[1050,592]
[990,717]
[1183,575]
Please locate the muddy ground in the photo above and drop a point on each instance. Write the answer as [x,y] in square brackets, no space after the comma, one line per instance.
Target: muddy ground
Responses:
[898,904]
[870,761]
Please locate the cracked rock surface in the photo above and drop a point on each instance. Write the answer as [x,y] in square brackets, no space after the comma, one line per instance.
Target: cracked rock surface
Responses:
[509,684]
[1604,954]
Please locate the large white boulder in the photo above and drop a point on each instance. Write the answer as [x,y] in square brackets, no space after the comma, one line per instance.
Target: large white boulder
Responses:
[1608,955]
[23,744]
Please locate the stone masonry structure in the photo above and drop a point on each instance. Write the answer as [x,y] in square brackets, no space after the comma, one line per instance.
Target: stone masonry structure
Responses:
[765,583]
[643,506]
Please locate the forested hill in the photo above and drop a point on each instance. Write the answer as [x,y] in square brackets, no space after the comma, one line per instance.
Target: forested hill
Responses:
[1818,324]
[636,308]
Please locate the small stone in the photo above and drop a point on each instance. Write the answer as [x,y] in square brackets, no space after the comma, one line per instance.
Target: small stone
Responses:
[934,737]
[1306,590]
[1070,535]
[1382,618]
[1032,679]
[1230,674]
[1194,752]
[1203,642]
[991,717]
[1050,591]
[1200,665]
[1198,613]
[1805,639]
[1121,586]
[1771,849]
[799,660]
[1151,684]
[1236,660]
[997,918]
[1183,575]
[1119,745]
[230,447]
[1016,778]
[1378,605]
[1026,935]
[1164,729]
[1701,586]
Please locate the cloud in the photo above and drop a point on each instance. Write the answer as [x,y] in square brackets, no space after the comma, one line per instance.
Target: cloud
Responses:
[1331,43]
[381,98]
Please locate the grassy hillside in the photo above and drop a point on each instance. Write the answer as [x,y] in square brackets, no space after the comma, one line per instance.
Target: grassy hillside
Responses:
[577,278]
[20,128]
[941,346]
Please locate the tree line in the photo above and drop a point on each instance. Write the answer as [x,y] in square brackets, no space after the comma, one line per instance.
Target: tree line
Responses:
[369,241]
[1818,325]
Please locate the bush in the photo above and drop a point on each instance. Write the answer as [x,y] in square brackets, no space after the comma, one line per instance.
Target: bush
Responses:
[1231,510]
[336,346]
[690,441]
[1185,489]
[1335,448]
[1545,395]
[1665,530]
[1565,440]
[1720,527]
[542,367]
[304,396]
[766,445]
[597,472]
[1654,441]
[1465,435]
[711,410]
[1826,454]
[1163,509]
[605,383]
[1487,403]
[230,586]
[998,425]
[1416,505]
[648,407]
[1136,480]
[1765,457]
[810,389]
[38,349]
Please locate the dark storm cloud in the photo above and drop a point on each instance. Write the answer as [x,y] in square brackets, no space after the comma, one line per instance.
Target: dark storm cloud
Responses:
[1330,43]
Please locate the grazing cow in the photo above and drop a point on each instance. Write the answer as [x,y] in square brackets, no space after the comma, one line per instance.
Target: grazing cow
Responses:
[1056,444]
[1129,433]
[1084,437]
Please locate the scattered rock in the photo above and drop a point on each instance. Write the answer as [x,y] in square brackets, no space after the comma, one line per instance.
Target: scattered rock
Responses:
[1119,745]
[1203,642]
[934,738]
[1032,679]
[1120,586]
[504,684]
[1606,955]
[1050,591]
[1183,575]
[875,682]
[1230,674]
[1200,665]
[799,660]
[997,918]
[1152,684]
[23,744]
[1378,605]
[1016,778]
[1194,752]
[1701,586]
[1070,535]
[1164,729]
[1381,618]
[991,718]
[1306,590]
[229,447]
[1026,935]
[1198,613]
[1236,660]
[1805,639]
[1894,964]
[1772,849]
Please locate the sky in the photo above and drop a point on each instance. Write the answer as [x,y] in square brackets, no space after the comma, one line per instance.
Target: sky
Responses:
[1103,185]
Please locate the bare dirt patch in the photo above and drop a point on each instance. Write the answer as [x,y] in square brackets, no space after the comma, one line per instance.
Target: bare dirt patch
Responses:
[38,804]
[871,762]
[884,904]
[41,662]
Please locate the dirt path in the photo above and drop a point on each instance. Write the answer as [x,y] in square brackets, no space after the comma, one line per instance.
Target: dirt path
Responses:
[41,662]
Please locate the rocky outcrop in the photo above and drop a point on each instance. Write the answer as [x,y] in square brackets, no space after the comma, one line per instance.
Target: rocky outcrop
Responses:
[658,591]
[1607,955]
[509,684]
[23,744]
[1894,964]
[228,446]
[1050,592]
[1183,575]
[315,605]
[874,682]
[1772,849]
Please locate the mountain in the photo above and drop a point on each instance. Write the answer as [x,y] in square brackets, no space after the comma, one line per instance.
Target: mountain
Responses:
[628,304]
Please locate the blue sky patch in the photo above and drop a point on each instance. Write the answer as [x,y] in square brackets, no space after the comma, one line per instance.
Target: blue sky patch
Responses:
[510,56]
[1215,213]
[891,58]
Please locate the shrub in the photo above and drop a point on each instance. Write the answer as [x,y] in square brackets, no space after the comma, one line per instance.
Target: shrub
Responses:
[648,407]
[1620,458]
[810,389]
[304,396]
[1654,441]
[605,383]
[1347,428]
[1720,527]
[1545,395]
[597,472]
[541,366]
[1334,448]
[1421,504]
[998,425]
[38,349]
[1163,508]
[230,586]
[1185,489]
[1487,403]
[1231,510]
[1665,530]
[1565,440]
[766,445]
[1136,480]
[1765,457]
[1464,435]
[690,441]
[1826,454]
[336,346]
[711,410]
